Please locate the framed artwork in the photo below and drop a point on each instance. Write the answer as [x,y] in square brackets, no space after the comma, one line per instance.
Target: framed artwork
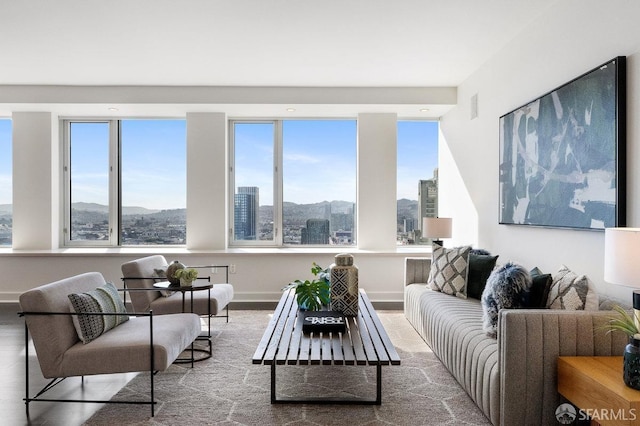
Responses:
[562,156]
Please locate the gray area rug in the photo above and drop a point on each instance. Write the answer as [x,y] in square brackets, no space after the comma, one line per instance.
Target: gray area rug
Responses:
[228,390]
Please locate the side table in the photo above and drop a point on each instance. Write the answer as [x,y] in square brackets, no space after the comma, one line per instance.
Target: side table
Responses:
[595,384]
[195,286]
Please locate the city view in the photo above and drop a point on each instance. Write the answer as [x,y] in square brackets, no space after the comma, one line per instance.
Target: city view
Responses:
[309,158]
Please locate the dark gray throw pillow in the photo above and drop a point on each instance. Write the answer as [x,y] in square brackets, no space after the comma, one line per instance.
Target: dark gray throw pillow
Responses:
[481,263]
[537,295]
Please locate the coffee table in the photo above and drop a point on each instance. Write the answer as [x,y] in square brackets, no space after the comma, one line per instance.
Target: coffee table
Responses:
[364,343]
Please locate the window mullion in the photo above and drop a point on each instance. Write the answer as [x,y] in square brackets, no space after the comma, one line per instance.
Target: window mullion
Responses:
[114,183]
[277,184]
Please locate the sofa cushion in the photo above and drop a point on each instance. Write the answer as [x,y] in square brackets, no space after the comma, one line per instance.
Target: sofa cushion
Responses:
[481,264]
[538,294]
[505,288]
[449,270]
[104,299]
[572,291]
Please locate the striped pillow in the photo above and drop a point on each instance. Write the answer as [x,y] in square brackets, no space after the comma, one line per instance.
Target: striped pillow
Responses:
[104,299]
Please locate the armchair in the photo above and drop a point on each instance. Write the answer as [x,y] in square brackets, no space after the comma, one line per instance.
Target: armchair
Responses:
[145,342]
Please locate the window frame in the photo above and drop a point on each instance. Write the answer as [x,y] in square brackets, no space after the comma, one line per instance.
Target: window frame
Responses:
[115,183]
[113,187]
[278,176]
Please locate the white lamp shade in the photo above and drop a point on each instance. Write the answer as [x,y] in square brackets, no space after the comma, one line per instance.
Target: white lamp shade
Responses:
[436,227]
[622,256]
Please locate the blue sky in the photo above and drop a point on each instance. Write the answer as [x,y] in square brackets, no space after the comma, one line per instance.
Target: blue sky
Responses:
[319,158]
[319,161]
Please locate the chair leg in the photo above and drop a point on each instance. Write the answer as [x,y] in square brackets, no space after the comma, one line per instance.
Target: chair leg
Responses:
[26,367]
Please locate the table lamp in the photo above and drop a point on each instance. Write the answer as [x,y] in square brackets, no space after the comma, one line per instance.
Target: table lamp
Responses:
[622,261]
[436,228]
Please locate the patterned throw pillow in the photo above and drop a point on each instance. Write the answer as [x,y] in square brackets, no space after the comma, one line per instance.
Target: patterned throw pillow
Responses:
[162,275]
[449,270]
[572,292]
[104,299]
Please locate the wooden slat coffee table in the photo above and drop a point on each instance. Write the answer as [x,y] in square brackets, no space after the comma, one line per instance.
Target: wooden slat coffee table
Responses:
[365,343]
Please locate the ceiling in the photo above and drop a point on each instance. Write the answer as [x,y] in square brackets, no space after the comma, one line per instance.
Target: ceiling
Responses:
[248,43]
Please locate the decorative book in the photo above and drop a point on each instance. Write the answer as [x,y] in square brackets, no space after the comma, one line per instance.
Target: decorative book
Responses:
[323,321]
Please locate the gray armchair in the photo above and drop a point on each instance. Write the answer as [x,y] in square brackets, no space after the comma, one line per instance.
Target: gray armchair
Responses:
[145,342]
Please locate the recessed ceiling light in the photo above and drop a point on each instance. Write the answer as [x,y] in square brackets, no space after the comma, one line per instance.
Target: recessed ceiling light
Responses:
[424,109]
[291,109]
[112,109]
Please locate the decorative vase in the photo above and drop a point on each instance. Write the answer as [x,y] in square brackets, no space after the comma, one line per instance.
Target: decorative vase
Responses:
[631,363]
[185,282]
[171,269]
[344,285]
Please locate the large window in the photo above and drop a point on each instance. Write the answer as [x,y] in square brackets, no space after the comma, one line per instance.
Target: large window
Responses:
[6,202]
[125,182]
[293,182]
[417,178]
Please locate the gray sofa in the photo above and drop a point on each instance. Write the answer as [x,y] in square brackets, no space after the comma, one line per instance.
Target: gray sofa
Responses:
[511,379]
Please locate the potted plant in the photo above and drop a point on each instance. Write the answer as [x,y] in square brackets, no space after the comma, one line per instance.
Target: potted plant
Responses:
[186,276]
[631,359]
[313,294]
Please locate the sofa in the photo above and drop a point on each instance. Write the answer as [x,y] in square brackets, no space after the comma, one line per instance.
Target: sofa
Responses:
[511,378]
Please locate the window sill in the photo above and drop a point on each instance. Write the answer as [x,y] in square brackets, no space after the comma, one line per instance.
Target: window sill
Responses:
[144,251]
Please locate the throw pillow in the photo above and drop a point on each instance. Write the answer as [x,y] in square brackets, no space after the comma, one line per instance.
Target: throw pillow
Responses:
[162,275]
[538,294]
[481,263]
[571,291]
[104,299]
[449,270]
[505,288]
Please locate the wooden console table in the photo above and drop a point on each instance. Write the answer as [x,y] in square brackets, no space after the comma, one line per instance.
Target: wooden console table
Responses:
[595,385]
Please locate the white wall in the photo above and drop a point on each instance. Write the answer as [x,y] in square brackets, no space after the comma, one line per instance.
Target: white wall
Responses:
[572,37]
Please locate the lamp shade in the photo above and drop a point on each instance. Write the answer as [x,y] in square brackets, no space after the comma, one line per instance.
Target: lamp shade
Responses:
[622,256]
[436,227]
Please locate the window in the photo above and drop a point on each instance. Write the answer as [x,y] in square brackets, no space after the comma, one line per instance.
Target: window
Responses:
[312,200]
[6,201]
[128,176]
[417,178]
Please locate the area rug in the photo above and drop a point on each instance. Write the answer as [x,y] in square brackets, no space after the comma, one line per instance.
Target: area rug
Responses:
[228,390]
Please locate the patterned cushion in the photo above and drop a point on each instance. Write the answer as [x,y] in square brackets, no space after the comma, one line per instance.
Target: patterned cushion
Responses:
[571,291]
[104,299]
[161,274]
[449,270]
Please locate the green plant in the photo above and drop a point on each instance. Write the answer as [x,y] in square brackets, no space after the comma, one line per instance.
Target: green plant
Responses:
[187,274]
[312,294]
[624,323]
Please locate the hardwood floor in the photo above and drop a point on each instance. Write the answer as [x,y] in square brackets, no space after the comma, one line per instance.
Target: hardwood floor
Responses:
[12,382]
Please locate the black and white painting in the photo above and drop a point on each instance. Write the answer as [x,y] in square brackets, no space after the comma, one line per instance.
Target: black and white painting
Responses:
[562,161]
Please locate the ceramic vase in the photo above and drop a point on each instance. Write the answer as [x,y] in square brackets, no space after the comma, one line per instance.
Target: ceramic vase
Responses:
[344,285]
[171,269]
[631,363]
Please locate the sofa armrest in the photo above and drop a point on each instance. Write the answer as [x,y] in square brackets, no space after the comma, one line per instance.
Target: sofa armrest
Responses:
[529,344]
[416,270]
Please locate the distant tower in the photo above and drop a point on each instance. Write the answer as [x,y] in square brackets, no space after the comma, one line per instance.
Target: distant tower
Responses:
[316,232]
[428,198]
[246,213]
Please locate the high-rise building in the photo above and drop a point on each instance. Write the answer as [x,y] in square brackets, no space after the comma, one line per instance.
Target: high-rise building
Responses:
[316,232]
[246,213]
[428,198]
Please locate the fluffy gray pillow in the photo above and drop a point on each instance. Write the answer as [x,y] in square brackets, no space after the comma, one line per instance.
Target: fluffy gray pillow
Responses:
[506,288]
